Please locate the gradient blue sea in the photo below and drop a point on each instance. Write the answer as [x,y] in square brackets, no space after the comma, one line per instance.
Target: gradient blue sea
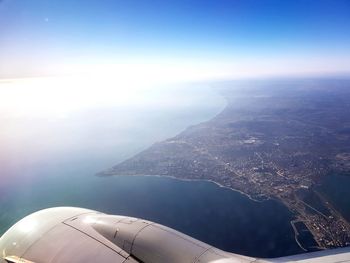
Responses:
[52,162]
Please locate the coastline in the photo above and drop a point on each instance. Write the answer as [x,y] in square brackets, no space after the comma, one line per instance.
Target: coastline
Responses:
[294,174]
[191,180]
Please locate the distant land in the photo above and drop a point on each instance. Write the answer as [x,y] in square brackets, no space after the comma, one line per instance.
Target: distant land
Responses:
[275,139]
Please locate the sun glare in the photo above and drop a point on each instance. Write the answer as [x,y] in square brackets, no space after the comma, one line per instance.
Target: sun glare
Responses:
[46,96]
[59,95]
[90,86]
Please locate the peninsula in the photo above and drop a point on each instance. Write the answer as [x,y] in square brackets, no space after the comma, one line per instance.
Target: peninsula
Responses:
[275,139]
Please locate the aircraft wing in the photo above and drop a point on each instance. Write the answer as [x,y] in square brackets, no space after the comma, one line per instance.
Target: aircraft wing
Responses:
[66,234]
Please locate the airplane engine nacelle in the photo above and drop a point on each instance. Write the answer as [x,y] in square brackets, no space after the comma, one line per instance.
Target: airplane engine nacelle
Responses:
[67,234]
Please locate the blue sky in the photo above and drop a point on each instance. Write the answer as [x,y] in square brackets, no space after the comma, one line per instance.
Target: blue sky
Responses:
[248,37]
